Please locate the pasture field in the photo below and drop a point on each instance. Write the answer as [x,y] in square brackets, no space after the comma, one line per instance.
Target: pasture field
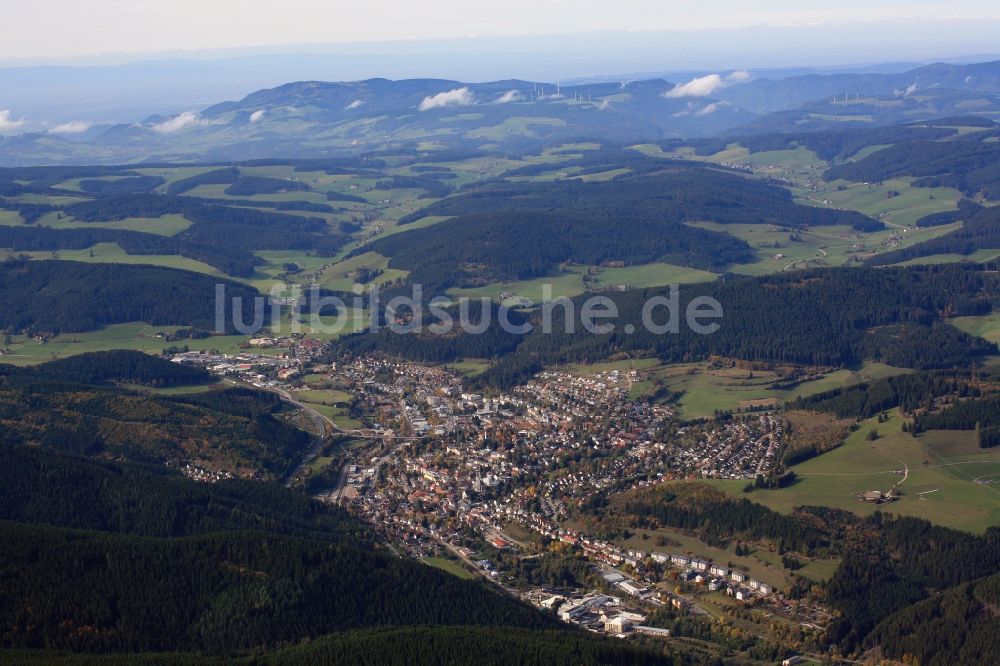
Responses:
[516,126]
[10,218]
[604,176]
[705,389]
[338,415]
[865,152]
[173,174]
[639,364]
[470,367]
[449,566]
[334,326]
[979,256]
[166,225]
[557,172]
[781,249]
[570,282]
[219,192]
[942,477]
[54,199]
[895,201]
[395,228]
[136,336]
[319,464]
[322,396]
[984,326]
[339,276]
[566,285]
[111,253]
[175,390]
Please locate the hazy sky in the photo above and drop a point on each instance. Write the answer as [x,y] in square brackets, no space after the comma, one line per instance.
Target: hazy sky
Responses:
[61,28]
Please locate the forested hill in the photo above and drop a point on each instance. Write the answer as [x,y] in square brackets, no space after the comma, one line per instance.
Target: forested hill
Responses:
[119,366]
[822,317]
[970,165]
[887,591]
[515,230]
[93,557]
[959,626]
[66,296]
[232,432]
[841,144]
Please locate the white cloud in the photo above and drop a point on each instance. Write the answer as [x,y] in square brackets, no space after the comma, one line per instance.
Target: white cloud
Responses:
[353,105]
[6,124]
[179,122]
[72,127]
[912,88]
[700,87]
[256,116]
[510,96]
[711,108]
[706,85]
[456,97]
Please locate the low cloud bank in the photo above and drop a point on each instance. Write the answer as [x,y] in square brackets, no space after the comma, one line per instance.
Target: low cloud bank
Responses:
[179,122]
[456,97]
[6,124]
[510,96]
[704,86]
[72,127]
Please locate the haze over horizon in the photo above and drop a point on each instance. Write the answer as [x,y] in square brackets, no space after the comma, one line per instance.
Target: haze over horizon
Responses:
[60,30]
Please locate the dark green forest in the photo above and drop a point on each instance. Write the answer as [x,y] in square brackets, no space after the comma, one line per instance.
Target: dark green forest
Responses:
[969,165]
[66,296]
[234,430]
[507,230]
[819,317]
[113,558]
[120,366]
[908,392]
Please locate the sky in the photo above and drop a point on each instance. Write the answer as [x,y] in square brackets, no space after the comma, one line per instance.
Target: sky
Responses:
[61,29]
[66,65]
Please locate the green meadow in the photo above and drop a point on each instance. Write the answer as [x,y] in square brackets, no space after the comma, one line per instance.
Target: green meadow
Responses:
[947,477]
[705,389]
[571,281]
[136,336]
[985,326]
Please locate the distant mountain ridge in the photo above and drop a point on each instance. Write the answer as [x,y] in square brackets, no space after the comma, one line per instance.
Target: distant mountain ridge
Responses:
[319,119]
[769,95]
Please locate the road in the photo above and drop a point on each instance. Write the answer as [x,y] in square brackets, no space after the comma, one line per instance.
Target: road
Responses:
[475,567]
[323,426]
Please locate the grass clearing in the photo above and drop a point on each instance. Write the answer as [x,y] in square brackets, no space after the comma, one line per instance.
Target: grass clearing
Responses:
[166,225]
[449,566]
[984,326]
[341,276]
[136,336]
[706,389]
[111,253]
[574,280]
[896,201]
[940,484]
[470,367]
[781,248]
[979,256]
